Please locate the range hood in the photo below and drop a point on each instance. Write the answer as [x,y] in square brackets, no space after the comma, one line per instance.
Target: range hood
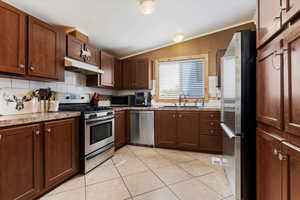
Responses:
[81,67]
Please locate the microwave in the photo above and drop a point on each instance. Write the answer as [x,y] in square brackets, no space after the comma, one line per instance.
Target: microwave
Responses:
[127,100]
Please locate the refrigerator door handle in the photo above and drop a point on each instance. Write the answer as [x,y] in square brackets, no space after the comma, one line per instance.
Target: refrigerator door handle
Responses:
[228,132]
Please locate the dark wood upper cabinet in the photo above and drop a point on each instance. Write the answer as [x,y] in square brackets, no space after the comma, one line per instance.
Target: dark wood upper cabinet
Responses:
[118,74]
[219,55]
[12,40]
[269,19]
[291,171]
[289,9]
[292,81]
[19,166]
[269,170]
[165,129]
[60,150]
[188,130]
[43,41]
[270,85]
[94,59]
[107,65]
[120,129]
[137,74]
[74,48]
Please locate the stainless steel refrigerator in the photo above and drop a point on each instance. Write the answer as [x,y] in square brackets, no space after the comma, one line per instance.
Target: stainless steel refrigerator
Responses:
[238,120]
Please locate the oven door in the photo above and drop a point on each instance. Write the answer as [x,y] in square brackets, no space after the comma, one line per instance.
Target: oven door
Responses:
[98,133]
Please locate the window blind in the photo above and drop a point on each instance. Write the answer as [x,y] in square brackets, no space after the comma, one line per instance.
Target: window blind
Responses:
[181,77]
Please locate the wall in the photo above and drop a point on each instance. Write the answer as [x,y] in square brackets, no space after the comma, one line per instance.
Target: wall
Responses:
[74,83]
[209,44]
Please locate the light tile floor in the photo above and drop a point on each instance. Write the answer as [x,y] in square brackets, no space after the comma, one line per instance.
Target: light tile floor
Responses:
[141,173]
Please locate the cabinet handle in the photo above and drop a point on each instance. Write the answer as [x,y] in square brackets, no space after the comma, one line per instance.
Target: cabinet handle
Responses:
[37,133]
[22,66]
[49,131]
[31,68]
[281,157]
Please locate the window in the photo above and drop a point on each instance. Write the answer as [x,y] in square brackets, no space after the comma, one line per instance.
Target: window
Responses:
[182,77]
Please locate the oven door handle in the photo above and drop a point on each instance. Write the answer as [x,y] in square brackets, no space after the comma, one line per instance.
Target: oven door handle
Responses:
[96,153]
[95,121]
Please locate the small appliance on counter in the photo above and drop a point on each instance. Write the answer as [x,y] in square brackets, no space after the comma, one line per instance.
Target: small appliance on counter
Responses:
[142,99]
[127,100]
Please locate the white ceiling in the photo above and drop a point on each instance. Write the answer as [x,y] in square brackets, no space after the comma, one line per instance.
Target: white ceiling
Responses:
[118,26]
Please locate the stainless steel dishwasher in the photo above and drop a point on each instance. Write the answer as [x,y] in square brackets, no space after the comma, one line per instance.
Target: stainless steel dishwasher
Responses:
[142,128]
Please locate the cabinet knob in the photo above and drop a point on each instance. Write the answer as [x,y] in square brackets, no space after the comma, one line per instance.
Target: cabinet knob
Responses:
[49,130]
[211,123]
[22,66]
[211,115]
[174,115]
[180,116]
[37,133]
[31,68]
[212,131]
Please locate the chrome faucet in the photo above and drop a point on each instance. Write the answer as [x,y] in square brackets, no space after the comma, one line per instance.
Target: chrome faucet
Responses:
[180,99]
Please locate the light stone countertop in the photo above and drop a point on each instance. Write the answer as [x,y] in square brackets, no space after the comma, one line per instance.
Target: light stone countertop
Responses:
[208,109]
[13,120]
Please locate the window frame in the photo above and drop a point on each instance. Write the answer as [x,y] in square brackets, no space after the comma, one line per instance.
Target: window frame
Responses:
[203,57]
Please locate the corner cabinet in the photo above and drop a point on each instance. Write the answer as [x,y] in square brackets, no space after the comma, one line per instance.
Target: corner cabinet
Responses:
[120,129]
[20,164]
[107,65]
[35,158]
[12,40]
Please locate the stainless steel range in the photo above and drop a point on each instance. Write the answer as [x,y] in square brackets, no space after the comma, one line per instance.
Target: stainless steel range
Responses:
[97,129]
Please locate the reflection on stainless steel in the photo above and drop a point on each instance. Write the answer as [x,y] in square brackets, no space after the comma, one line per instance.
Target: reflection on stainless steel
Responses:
[142,128]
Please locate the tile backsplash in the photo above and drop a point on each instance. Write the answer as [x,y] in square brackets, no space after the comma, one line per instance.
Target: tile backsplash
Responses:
[74,83]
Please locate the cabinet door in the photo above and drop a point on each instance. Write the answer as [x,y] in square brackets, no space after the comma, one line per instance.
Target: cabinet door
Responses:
[120,129]
[107,65]
[211,143]
[188,130]
[12,40]
[269,19]
[270,85]
[74,48]
[129,74]
[143,74]
[269,179]
[289,9]
[292,81]
[291,171]
[42,49]
[165,129]
[118,75]
[19,154]
[95,55]
[60,150]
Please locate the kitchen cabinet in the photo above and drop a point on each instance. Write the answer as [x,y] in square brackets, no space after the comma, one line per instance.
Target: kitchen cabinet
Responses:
[165,129]
[188,130]
[19,154]
[120,129]
[289,9]
[292,80]
[269,168]
[74,48]
[290,158]
[37,157]
[42,49]
[137,74]
[94,59]
[269,19]
[107,65]
[12,40]
[270,85]
[118,74]
[60,150]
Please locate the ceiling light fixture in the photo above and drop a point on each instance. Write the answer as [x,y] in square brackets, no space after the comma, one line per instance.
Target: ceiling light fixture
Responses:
[147,6]
[178,37]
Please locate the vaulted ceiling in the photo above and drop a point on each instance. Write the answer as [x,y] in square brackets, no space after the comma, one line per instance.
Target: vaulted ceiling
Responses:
[118,26]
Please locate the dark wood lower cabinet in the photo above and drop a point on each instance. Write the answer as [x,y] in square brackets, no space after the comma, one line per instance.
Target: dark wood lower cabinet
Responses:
[269,168]
[165,129]
[211,143]
[33,161]
[60,150]
[19,150]
[120,129]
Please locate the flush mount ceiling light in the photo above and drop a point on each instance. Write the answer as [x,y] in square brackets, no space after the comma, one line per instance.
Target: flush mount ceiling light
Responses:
[147,6]
[178,37]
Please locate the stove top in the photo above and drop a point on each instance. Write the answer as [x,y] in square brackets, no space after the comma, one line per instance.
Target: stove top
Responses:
[84,108]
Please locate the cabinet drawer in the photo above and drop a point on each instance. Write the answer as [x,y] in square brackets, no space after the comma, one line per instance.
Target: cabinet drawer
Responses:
[210,116]
[215,132]
[210,124]
[211,143]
